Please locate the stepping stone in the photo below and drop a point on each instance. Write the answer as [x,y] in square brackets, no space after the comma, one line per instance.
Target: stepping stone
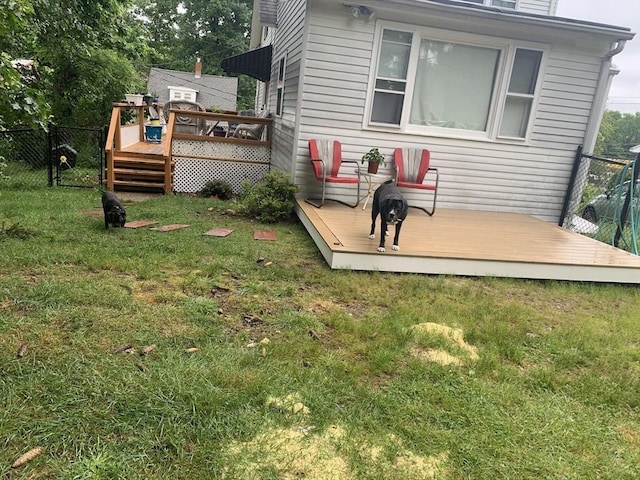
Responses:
[219,232]
[264,235]
[139,223]
[169,228]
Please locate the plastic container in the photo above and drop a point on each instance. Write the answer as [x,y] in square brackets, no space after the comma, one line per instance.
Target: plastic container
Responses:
[134,98]
[153,133]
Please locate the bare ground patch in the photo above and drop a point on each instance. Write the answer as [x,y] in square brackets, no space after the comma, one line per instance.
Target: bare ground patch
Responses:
[302,452]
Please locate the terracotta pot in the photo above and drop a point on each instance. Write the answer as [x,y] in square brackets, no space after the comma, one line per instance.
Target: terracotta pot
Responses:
[373,167]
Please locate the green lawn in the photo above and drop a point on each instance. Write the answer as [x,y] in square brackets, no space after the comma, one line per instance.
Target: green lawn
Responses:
[300,371]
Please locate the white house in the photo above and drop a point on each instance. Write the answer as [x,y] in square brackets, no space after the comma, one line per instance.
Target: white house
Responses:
[501,91]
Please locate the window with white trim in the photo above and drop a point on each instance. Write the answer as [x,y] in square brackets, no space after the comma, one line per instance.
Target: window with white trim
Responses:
[182,93]
[280,86]
[477,87]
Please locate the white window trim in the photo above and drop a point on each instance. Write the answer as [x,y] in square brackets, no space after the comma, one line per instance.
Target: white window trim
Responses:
[507,54]
[489,3]
[282,73]
[173,90]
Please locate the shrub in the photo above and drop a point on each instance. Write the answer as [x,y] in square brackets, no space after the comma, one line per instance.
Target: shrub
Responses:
[270,200]
[217,188]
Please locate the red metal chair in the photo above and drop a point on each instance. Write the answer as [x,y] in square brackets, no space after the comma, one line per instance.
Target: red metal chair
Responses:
[326,160]
[412,166]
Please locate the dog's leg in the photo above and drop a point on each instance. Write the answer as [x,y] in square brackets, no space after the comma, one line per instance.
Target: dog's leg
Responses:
[383,234]
[374,214]
[106,222]
[396,236]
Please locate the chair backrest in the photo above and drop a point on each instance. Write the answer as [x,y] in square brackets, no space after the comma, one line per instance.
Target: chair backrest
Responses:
[249,130]
[185,124]
[411,164]
[328,150]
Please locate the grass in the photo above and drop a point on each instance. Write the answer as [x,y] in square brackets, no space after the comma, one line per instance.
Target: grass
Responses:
[552,394]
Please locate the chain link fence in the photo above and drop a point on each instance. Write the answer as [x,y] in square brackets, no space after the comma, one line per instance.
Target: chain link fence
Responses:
[603,202]
[24,159]
[66,156]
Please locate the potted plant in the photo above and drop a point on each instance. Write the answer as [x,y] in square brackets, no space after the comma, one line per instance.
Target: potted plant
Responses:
[375,159]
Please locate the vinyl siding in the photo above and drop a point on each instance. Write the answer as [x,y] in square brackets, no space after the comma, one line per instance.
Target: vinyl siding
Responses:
[474,174]
[542,7]
[329,54]
[289,41]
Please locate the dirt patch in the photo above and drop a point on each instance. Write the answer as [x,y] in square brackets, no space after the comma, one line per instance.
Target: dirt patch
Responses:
[134,197]
[300,453]
[453,335]
[303,452]
[437,356]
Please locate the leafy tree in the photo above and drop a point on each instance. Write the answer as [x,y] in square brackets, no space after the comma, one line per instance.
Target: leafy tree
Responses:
[22,101]
[209,29]
[618,133]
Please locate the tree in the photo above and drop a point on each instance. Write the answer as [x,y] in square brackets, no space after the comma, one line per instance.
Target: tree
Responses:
[209,29]
[618,133]
[22,101]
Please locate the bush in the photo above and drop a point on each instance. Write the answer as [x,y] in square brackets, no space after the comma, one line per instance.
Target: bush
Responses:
[217,188]
[270,200]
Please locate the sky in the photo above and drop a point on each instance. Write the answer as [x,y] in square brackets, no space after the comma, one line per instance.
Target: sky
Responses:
[624,95]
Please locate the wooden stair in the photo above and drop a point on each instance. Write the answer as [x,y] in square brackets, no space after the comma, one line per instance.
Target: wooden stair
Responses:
[137,171]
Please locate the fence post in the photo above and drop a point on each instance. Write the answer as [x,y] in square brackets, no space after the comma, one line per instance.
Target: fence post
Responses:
[49,154]
[572,182]
[625,206]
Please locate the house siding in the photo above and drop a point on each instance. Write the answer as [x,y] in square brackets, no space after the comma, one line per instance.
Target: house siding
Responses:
[289,41]
[474,174]
[542,7]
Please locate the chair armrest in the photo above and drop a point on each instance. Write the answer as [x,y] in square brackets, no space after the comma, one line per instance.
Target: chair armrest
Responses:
[324,166]
[435,170]
[357,164]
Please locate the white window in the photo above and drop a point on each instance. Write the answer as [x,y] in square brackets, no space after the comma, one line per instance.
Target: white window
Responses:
[182,93]
[476,87]
[521,93]
[510,4]
[280,86]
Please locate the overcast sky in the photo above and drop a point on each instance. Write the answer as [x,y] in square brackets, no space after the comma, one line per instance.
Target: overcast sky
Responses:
[624,95]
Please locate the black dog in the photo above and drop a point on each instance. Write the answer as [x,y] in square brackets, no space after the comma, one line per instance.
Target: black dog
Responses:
[114,213]
[392,207]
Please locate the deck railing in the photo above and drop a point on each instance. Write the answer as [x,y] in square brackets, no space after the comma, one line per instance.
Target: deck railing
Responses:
[200,145]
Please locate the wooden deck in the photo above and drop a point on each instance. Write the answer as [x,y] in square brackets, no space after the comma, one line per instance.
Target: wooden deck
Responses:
[146,148]
[469,243]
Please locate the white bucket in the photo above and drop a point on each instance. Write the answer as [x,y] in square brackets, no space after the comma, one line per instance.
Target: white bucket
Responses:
[134,98]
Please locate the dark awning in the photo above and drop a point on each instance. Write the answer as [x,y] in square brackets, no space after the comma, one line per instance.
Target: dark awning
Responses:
[255,63]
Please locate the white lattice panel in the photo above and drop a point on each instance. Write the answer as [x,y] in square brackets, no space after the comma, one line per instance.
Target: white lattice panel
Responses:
[244,152]
[191,174]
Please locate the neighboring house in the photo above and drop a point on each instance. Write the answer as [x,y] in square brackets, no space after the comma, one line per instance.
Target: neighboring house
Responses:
[211,91]
[501,91]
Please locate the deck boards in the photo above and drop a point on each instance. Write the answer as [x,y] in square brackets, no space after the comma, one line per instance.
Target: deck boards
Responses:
[467,243]
[147,148]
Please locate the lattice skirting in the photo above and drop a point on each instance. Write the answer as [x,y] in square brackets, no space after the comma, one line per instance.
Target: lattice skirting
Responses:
[191,174]
[221,150]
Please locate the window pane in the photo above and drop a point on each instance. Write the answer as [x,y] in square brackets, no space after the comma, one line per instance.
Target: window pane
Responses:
[454,85]
[516,117]
[387,108]
[525,71]
[390,85]
[394,54]
[504,3]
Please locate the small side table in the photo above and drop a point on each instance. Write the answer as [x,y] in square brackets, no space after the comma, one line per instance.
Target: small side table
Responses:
[374,180]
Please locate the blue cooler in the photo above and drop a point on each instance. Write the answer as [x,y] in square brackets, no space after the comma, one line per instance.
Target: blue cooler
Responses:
[153,133]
